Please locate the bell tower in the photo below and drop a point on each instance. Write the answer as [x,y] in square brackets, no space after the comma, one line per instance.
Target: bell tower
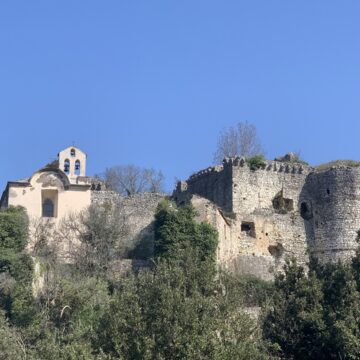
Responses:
[72,161]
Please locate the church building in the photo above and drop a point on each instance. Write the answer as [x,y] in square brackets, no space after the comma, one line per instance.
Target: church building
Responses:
[56,190]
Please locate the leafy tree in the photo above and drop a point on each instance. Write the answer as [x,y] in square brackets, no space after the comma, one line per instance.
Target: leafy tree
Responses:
[238,140]
[341,310]
[170,314]
[13,228]
[315,316]
[15,267]
[295,323]
[176,229]
[180,309]
[67,316]
[253,291]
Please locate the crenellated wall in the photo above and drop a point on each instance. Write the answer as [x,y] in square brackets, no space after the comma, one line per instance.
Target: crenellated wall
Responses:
[282,209]
[263,216]
[253,190]
[213,183]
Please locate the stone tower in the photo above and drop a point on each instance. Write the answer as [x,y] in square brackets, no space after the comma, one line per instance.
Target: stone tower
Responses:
[330,206]
[283,209]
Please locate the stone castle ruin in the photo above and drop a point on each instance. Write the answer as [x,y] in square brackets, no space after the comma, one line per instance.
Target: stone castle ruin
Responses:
[282,209]
[279,209]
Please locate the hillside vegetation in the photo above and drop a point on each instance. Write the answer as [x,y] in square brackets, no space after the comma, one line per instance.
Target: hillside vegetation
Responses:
[182,307]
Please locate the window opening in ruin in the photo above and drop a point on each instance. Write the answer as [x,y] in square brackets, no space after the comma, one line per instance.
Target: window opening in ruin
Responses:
[282,205]
[48,208]
[77,167]
[66,166]
[72,152]
[328,191]
[276,250]
[305,211]
[248,228]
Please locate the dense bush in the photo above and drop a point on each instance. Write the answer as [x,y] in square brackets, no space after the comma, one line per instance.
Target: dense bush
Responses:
[176,230]
[316,315]
[16,267]
[256,162]
[173,313]
[179,309]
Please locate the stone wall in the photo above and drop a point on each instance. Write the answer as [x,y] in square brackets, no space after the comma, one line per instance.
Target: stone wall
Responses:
[257,215]
[263,217]
[139,210]
[256,189]
[332,198]
[213,183]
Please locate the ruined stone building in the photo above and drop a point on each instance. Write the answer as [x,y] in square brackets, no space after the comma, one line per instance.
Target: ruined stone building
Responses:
[282,209]
[263,215]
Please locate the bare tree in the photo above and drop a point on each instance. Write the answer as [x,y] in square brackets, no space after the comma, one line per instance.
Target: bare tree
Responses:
[131,179]
[238,140]
[98,235]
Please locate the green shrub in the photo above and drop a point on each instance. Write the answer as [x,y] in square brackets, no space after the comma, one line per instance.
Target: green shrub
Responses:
[176,230]
[256,162]
[165,314]
[256,292]
[315,315]
[13,228]
[11,345]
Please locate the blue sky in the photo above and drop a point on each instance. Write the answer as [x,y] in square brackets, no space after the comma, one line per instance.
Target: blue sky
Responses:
[153,82]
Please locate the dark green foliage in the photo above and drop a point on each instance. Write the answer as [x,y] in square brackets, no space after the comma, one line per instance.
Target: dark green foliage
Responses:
[11,346]
[315,316]
[256,162]
[295,323]
[13,228]
[178,310]
[13,240]
[16,267]
[171,313]
[22,309]
[253,291]
[176,230]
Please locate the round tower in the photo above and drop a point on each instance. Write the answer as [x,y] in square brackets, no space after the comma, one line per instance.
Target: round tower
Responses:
[331,211]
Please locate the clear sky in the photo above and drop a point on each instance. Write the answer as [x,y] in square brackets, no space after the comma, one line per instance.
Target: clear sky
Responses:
[153,82]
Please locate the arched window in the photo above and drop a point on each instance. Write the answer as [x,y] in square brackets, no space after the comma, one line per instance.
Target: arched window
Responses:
[77,167]
[48,208]
[66,166]
[73,152]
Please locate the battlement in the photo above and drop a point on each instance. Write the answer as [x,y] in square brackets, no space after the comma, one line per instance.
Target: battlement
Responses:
[205,172]
[268,165]
[240,162]
[278,207]
[217,183]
